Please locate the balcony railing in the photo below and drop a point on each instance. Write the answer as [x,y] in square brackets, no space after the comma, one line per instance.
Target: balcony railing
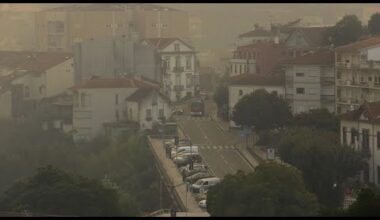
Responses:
[178,69]
[348,100]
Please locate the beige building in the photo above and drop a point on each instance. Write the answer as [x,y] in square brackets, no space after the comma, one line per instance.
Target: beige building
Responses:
[357,70]
[57,29]
[360,129]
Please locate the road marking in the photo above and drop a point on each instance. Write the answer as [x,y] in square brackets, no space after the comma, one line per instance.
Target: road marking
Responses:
[208,147]
[215,147]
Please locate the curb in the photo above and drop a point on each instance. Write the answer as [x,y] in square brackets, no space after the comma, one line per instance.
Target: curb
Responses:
[245,158]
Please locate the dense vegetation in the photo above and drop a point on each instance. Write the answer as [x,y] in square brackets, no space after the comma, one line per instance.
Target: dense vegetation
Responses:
[127,163]
[272,190]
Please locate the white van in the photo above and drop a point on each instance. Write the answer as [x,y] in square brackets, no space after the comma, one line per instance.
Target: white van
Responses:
[193,149]
[204,184]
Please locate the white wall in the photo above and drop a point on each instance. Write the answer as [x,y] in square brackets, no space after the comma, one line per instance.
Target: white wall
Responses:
[374,161]
[88,120]
[374,53]
[59,78]
[147,104]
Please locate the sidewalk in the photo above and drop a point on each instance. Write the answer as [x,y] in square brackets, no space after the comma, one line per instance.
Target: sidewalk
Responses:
[175,177]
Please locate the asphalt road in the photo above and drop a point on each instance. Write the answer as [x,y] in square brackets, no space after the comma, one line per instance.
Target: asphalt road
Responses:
[217,147]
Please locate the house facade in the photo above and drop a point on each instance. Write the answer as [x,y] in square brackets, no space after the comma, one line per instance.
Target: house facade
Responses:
[357,70]
[101,101]
[181,76]
[29,77]
[360,129]
[310,82]
[246,84]
[147,106]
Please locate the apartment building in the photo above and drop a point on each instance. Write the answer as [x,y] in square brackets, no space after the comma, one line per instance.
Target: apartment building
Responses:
[357,70]
[181,76]
[98,102]
[310,81]
[57,29]
[246,84]
[114,57]
[360,129]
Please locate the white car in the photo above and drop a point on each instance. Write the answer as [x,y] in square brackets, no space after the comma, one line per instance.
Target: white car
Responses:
[203,204]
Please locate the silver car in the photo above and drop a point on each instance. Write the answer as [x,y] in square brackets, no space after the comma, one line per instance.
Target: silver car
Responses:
[197,176]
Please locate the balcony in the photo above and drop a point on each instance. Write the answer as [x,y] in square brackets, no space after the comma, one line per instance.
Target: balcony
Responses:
[343,65]
[178,69]
[348,101]
[178,87]
[369,65]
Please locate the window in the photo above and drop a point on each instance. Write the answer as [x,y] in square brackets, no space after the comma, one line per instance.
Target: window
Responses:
[300,74]
[344,135]
[378,140]
[117,115]
[353,135]
[240,92]
[365,140]
[148,114]
[188,62]
[117,99]
[300,90]
[83,99]
[167,62]
[176,47]
[189,81]
[55,26]
[177,61]
[369,78]
[339,57]
[339,74]
[42,89]
[26,91]
[161,113]
[378,174]
[275,92]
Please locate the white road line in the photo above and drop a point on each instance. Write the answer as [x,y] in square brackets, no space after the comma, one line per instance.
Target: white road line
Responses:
[215,147]
[208,147]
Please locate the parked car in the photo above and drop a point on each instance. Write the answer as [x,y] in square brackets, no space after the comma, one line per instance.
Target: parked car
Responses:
[188,173]
[201,196]
[177,111]
[204,184]
[181,161]
[184,149]
[199,175]
[203,204]
[196,166]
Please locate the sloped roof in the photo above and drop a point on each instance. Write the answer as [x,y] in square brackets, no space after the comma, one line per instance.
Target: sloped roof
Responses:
[125,82]
[257,33]
[32,61]
[255,79]
[142,93]
[162,43]
[315,36]
[370,42]
[321,57]
[371,110]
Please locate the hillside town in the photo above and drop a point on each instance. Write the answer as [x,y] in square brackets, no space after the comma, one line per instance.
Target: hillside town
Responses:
[116,110]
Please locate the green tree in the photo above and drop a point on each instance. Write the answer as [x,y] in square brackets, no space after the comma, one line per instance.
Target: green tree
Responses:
[374,24]
[263,110]
[53,191]
[347,30]
[221,97]
[272,190]
[320,119]
[325,164]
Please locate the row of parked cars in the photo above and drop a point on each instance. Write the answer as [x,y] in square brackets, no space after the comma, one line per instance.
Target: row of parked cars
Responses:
[194,172]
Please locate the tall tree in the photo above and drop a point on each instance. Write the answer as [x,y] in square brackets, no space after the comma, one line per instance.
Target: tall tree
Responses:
[263,110]
[347,30]
[320,119]
[272,190]
[374,24]
[53,191]
[324,163]
[221,97]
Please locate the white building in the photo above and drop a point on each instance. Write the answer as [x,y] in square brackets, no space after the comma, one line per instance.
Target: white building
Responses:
[360,129]
[181,77]
[147,106]
[310,82]
[103,101]
[246,84]
[28,77]
[357,70]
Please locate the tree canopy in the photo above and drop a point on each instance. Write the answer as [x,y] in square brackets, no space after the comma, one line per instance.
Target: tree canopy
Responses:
[347,30]
[54,191]
[322,161]
[374,24]
[272,190]
[263,110]
[320,119]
